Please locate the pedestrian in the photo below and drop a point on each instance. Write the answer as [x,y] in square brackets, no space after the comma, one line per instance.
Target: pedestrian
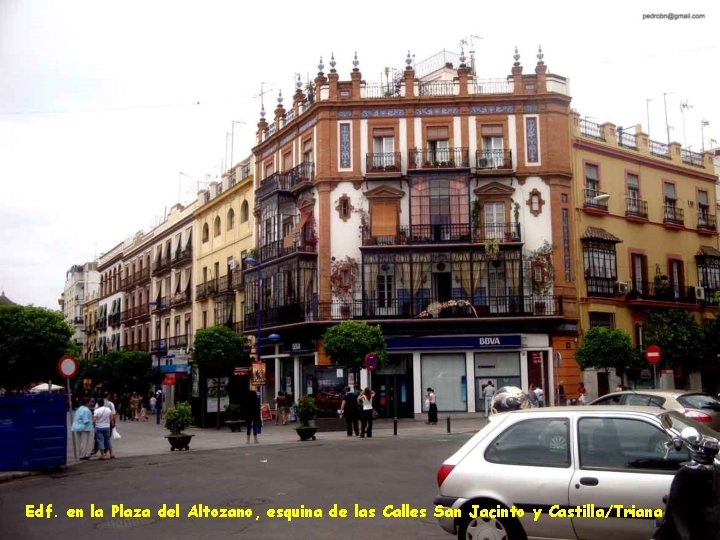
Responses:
[253,417]
[430,402]
[582,394]
[532,396]
[103,419]
[350,412]
[280,408]
[488,393]
[561,392]
[83,426]
[134,406]
[153,404]
[366,424]
[618,388]
[540,396]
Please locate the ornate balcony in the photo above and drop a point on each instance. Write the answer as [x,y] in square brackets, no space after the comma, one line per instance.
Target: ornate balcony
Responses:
[383,164]
[493,160]
[707,223]
[673,216]
[446,234]
[182,256]
[595,201]
[440,158]
[636,208]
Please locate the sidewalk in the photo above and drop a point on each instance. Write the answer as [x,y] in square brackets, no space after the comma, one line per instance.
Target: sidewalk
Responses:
[148,438]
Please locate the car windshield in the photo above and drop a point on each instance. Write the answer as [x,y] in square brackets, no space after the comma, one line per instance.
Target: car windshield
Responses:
[677,422]
[699,401]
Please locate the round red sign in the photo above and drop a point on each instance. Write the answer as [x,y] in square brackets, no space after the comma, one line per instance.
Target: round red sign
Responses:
[653,354]
[371,361]
[67,366]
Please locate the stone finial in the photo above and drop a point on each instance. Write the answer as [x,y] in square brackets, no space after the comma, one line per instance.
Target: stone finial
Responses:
[462,56]
[321,66]
[262,111]
[280,98]
[540,55]
[355,62]
[408,59]
[332,62]
[298,83]
[516,57]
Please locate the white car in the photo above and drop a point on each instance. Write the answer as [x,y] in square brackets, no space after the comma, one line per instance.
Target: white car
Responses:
[591,473]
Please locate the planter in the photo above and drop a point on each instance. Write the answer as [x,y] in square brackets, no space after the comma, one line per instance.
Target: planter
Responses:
[306,433]
[180,441]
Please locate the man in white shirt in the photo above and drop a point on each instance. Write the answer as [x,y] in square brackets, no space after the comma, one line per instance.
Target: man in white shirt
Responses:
[110,405]
[103,418]
[488,393]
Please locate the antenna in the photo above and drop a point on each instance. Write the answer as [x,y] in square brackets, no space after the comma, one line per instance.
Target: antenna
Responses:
[684,106]
[263,92]
[667,126]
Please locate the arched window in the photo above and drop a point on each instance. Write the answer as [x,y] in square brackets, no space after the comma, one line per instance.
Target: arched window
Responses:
[231,219]
[205,233]
[244,212]
[216,226]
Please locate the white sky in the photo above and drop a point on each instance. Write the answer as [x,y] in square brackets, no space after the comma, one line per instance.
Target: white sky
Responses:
[103,103]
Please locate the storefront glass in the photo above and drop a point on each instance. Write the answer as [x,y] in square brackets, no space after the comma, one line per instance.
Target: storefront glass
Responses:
[445,373]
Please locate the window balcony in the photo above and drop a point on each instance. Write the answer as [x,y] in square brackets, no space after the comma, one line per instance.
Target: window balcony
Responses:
[450,233]
[440,158]
[182,256]
[636,208]
[673,216]
[493,160]
[595,201]
[383,164]
[707,223]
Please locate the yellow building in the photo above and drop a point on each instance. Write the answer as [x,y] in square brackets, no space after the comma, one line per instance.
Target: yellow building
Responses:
[645,224]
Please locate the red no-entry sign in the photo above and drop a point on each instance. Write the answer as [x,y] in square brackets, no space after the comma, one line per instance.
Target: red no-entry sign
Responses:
[653,355]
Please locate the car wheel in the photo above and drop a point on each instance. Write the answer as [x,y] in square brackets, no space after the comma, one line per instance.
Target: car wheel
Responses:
[491,529]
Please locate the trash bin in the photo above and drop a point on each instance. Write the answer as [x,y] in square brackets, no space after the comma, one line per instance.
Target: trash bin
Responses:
[33,432]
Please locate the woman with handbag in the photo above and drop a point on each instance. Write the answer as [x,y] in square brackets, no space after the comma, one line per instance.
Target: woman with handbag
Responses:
[432,406]
[366,423]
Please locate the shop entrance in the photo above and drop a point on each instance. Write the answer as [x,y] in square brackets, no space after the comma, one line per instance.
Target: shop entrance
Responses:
[393,396]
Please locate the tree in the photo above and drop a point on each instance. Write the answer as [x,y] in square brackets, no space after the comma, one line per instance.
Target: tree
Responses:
[348,343]
[605,348]
[678,336]
[120,371]
[217,351]
[32,340]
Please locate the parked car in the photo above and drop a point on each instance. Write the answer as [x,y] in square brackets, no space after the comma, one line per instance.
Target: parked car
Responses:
[699,406]
[562,473]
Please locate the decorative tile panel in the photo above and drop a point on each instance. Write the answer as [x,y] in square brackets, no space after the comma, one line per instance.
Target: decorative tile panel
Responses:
[287,138]
[531,136]
[269,151]
[382,113]
[344,114]
[491,109]
[310,123]
[530,108]
[436,111]
[345,156]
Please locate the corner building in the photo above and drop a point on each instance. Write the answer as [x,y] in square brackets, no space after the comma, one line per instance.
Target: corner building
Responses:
[424,205]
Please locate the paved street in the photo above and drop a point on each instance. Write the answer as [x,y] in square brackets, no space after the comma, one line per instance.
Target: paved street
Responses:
[221,471]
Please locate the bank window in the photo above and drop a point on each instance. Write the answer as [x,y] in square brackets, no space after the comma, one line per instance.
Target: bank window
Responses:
[534,443]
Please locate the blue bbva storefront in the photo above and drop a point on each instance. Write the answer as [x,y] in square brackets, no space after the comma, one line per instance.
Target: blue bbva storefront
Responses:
[457,367]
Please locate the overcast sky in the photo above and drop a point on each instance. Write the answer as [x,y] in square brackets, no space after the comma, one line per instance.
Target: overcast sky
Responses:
[103,104]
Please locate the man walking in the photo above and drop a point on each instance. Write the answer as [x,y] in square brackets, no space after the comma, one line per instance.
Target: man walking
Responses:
[350,411]
[488,393]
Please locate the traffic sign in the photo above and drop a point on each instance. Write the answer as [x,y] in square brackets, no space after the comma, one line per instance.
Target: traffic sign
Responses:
[371,362]
[67,366]
[653,354]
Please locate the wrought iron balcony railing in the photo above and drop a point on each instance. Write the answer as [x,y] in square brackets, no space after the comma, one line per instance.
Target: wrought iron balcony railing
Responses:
[439,158]
[594,199]
[707,222]
[672,215]
[382,163]
[493,159]
[637,208]
[446,233]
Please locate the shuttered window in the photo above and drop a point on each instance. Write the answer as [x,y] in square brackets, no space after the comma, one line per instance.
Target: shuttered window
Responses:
[383,132]
[384,218]
[490,131]
[437,134]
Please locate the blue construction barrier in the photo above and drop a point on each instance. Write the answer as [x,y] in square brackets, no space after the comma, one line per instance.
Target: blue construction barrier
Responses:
[33,432]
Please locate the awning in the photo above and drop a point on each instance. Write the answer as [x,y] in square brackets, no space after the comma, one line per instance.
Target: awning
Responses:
[708,251]
[596,233]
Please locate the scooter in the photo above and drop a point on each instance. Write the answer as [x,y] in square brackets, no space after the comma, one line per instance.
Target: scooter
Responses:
[692,511]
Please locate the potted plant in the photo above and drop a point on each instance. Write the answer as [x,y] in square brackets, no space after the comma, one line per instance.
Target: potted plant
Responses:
[233,413]
[305,411]
[177,419]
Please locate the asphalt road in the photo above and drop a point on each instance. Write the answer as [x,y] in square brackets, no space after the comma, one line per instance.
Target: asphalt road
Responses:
[259,479]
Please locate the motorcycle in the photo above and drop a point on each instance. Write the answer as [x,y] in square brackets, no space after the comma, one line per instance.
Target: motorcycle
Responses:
[692,510]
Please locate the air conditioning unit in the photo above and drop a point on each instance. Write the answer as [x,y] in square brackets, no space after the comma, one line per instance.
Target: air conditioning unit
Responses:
[699,293]
[621,287]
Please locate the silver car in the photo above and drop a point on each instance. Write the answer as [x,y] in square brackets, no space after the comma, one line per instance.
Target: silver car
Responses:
[562,473]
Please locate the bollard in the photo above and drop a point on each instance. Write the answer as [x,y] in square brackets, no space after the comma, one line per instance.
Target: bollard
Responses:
[448,424]
[395,426]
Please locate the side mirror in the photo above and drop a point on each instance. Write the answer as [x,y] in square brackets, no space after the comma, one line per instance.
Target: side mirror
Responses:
[691,435]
